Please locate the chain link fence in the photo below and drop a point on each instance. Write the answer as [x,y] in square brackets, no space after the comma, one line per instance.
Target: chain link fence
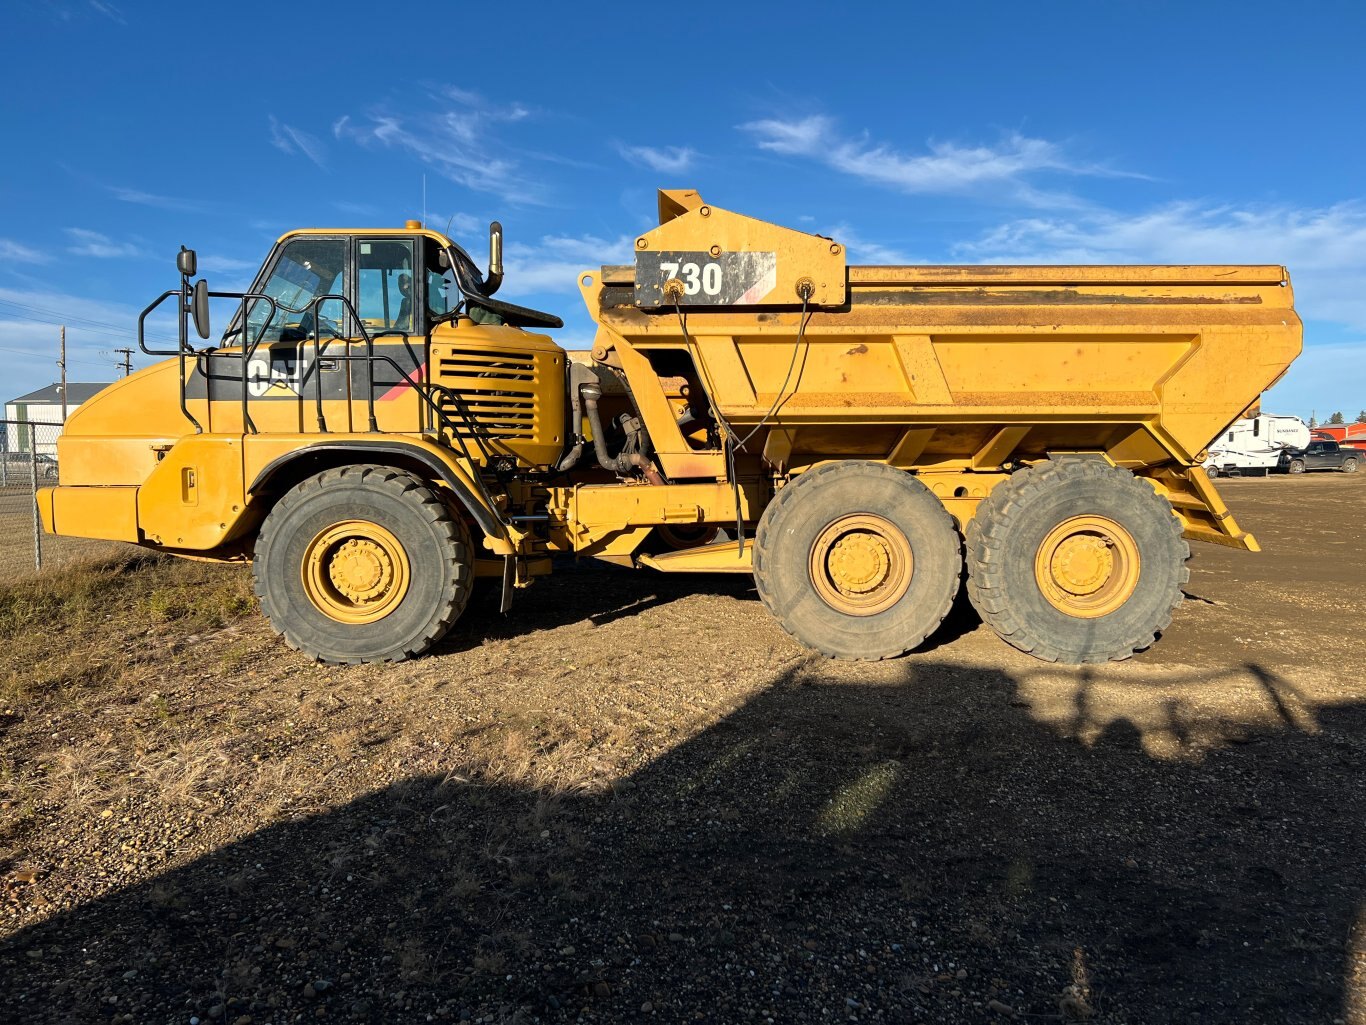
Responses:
[28,461]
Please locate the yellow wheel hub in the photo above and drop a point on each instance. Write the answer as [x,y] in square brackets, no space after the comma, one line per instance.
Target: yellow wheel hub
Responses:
[1087,566]
[861,565]
[355,572]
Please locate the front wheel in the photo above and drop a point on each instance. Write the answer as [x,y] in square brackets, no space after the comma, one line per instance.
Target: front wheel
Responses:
[362,564]
[1075,560]
[858,560]
[1296,466]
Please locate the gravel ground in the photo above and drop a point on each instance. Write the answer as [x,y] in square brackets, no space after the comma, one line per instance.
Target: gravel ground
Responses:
[635,799]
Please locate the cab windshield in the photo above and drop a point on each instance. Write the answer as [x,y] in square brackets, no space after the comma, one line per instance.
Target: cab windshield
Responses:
[306,268]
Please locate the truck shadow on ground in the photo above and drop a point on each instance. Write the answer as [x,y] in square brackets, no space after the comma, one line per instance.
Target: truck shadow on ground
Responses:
[908,851]
[602,594]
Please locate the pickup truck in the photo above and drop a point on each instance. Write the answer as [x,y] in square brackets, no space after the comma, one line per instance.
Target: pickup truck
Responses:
[1320,455]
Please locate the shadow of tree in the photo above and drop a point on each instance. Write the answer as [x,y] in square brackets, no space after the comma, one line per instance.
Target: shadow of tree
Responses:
[827,852]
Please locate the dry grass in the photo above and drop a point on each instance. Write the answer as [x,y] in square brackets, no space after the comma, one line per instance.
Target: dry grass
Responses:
[80,644]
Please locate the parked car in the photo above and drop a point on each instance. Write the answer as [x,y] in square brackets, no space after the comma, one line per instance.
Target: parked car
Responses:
[16,467]
[1320,455]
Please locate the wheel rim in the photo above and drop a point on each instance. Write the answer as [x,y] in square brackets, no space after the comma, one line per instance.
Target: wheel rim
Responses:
[355,572]
[861,564]
[1087,566]
[1297,468]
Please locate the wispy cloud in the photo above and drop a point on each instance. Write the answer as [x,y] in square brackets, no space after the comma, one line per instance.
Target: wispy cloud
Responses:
[92,243]
[16,252]
[226,265]
[459,139]
[108,10]
[288,139]
[141,198]
[1003,170]
[552,264]
[664,159]
[1324,247]
[863,250]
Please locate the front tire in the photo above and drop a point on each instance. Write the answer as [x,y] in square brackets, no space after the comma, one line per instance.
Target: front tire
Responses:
[362,564]
[1296,466]
[1075,560]
[858,560]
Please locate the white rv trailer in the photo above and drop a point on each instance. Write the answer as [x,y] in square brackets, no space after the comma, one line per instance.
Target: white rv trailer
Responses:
[1254,445]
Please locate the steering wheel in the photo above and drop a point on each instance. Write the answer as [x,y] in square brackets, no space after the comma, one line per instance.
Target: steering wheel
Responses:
[326,326]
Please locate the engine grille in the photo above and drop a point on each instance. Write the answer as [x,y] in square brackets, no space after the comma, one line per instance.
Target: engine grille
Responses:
[495,392]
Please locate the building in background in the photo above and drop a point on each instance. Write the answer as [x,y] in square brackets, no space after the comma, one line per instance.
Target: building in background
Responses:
[44,406]
[1343,434]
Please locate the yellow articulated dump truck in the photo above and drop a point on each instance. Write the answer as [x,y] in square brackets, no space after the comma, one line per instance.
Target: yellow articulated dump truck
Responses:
[374,430]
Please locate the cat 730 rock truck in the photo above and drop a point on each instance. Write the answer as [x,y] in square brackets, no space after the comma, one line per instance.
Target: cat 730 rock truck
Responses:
[374,430]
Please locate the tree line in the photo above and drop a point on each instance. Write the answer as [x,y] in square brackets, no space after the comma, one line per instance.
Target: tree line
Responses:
[1336,418]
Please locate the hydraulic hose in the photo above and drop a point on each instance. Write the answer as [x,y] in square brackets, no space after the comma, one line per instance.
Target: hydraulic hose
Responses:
[624,461]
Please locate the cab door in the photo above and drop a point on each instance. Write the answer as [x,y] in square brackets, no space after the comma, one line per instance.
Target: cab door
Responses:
[387,291]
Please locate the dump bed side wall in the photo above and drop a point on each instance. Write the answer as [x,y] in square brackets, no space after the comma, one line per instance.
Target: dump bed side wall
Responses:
[1146,363]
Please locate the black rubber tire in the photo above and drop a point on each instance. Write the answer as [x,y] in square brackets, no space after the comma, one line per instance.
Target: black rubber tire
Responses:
[817,498]
[437,544]
[1349,466]
[1012,522]
[1295,466]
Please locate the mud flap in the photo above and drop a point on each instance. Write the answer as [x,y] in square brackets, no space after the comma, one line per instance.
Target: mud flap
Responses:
[509,582]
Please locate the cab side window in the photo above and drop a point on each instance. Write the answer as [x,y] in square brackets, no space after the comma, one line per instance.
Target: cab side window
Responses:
[442,294]
[386,286]
[306,269]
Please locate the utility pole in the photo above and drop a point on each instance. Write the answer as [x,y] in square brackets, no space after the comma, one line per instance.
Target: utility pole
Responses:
[127,361]
[62,363]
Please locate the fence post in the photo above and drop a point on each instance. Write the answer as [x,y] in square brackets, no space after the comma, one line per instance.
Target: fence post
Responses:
[33,474]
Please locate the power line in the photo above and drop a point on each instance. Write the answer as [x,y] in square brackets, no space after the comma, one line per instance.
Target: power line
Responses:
[48,355]
[45,316]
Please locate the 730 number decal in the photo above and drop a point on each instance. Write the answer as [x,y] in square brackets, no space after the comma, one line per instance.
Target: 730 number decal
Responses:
[705,279]
[728,279]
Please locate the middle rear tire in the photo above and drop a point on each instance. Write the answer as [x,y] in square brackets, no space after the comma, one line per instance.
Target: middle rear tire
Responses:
[858,560]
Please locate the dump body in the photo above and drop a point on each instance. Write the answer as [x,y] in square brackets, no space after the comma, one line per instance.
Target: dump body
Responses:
[1144,363]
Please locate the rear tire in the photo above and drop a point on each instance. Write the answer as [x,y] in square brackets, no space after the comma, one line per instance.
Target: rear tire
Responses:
[1349,466]
[858,560]
[1212,472]
[362,564]
[1074,560]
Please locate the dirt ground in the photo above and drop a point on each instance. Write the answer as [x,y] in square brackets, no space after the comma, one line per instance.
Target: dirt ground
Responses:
[636,799]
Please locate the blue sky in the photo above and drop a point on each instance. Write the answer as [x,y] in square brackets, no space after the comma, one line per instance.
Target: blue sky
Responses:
[959,133]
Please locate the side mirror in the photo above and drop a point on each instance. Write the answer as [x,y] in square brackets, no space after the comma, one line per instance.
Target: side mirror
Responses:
[199,305]
[187,263]
[494,278]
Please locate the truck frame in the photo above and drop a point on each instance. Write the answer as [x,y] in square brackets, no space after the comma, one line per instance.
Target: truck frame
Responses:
[375,430]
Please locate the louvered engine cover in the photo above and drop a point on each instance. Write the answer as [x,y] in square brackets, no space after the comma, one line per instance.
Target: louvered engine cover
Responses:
[505,400]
